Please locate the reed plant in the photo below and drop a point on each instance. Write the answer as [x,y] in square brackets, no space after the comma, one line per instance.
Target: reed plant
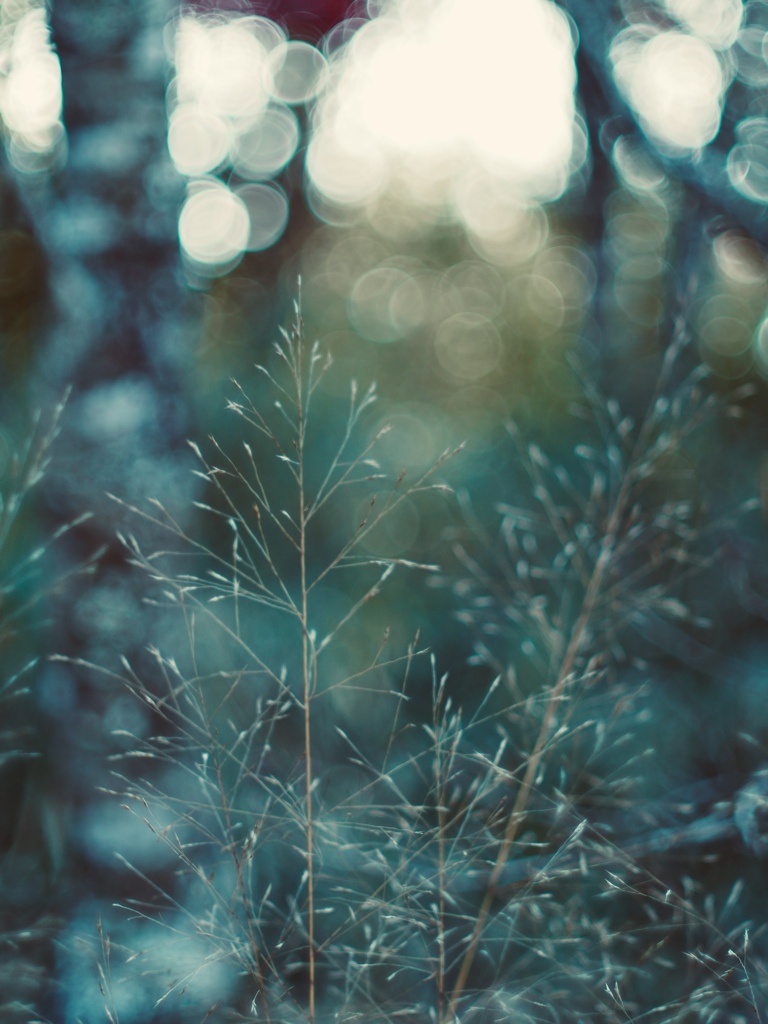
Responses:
[358,836]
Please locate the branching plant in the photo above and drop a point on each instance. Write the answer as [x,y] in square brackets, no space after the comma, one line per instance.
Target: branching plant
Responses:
[27,581]
[354,836]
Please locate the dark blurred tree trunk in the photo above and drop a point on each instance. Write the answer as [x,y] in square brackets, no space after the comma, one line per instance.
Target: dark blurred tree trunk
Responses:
[111,234]
[116,334]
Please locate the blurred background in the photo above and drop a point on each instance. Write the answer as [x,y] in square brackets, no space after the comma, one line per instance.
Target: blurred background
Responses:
[477,199]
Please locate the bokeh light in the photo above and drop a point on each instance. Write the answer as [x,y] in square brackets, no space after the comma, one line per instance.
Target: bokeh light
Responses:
[748,159]
[263,147]
[198,139]
[222,67]
[371,303]
[750,48]
[760,343]
[674,81]
[430,93]
[468,346]
[30,93]
[717,22]
[214,226]
[230,110]
[297,71]
[267,210]
[740,259]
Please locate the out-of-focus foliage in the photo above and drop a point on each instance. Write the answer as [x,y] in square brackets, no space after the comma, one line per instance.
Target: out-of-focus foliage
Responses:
[501,214]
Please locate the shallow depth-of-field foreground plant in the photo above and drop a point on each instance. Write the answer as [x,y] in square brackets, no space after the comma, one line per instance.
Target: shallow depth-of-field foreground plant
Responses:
[28,858]
[348,841]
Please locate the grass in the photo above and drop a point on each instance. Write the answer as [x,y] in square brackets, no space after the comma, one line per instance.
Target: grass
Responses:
[349,834]
[27,859]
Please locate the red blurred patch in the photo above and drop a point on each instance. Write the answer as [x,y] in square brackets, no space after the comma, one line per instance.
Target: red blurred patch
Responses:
[301,19]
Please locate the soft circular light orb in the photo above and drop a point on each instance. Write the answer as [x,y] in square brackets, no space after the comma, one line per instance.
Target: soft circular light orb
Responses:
[345,174]
[471,287]
[370,304]
[434,87]
[636,168]
[198,140]
[717,22]
[750,55]
[264,146]
[297,72]
[571,271]
[502,228]
[31,153]
[760,346]
[222,65]
[267,208]
[675,83]
[740,258]
[30,100]
[408,306]
[535,305]
[213,225]
[748,159]
[726,336]
[468,346]
[417,433]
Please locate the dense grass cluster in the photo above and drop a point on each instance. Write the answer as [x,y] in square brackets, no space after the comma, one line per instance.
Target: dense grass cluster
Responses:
[348,831]
[27,585]
[358,837]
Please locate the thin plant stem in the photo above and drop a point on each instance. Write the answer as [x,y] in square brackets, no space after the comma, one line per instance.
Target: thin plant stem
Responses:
[578,635]
[305,660]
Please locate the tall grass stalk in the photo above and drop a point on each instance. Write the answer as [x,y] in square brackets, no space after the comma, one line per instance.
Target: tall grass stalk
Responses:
[29,848]
[271,567]
[646,448]
[360,836]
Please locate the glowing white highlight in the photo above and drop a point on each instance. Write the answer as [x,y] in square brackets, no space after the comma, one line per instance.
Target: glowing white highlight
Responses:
[675,83]
[431,93]
[214,226]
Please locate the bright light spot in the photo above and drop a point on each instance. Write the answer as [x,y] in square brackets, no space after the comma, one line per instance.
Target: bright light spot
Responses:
[223,89]
[116,409]
[30,94]
[468,346]
[636,168]
[750,55]
[345,173]
[267,208]
[224,66]
[501,227]
[298,72]
[264,146]
[717,22]
[748,160]
[740,259]
[674,82]
[198,139]
[433,93]
[214,227]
